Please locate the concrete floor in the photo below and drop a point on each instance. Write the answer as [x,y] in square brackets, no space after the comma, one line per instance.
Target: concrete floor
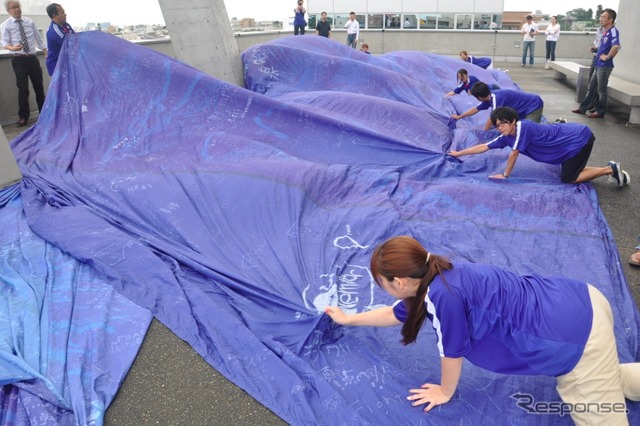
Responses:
[170,384]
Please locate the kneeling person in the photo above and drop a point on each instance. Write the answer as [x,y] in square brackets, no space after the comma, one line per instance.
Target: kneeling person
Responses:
[566,144]
[527,105]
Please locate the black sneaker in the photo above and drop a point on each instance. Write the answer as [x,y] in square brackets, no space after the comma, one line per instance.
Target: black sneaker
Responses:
[561,120]
[617,173]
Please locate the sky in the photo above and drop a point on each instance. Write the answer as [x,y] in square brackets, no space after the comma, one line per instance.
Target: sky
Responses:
[121,12]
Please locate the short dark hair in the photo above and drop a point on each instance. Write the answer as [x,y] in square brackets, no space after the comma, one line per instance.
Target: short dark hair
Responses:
[612,14]
[505,115]
[480,90]
[529,17]
[52,10]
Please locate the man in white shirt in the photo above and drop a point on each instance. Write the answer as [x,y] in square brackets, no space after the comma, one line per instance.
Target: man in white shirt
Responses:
[529,29]
[353,30]
[21,37]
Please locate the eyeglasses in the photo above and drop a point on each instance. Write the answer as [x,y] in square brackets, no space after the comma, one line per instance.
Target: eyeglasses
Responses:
[501,123]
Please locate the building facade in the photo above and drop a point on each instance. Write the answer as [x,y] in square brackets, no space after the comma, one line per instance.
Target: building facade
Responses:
[410,14]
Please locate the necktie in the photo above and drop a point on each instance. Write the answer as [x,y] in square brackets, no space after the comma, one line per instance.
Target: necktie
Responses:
[23,37]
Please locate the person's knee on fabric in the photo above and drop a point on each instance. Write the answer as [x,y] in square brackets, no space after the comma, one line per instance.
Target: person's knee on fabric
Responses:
[572,167]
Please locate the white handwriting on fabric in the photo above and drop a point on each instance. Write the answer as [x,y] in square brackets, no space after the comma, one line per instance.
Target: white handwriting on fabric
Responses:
[346,242]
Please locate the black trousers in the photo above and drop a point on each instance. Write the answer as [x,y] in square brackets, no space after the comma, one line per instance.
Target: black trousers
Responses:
[25,68]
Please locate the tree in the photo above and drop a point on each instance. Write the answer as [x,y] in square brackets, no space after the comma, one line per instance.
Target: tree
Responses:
[599,12]
[565,21]
[581,15]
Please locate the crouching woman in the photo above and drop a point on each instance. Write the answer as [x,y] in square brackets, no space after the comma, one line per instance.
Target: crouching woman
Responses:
[503,322]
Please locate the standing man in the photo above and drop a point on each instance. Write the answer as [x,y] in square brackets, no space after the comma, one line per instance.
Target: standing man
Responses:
[58,29]
[595,46]
[323,27]
[353,30]
[20,36]
[607,50]
[529,29]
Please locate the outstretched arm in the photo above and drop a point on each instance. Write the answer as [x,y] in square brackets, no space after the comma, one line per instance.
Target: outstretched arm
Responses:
[469,113]
[488,125]
[511,162]
[381,317]
[476,149]
[434,394]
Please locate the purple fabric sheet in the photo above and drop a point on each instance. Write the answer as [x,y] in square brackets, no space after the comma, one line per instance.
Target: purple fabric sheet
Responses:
[235,216]
[67,338]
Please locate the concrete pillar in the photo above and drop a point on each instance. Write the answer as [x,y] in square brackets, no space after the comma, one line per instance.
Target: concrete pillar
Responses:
[627,61]
[201,36]
[9,172]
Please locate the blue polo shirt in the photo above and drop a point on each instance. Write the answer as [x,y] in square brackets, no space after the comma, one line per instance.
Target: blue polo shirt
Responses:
[481,62]
[55,37]
[465,86]
[546,143]
[610,38]
[507,323]
[524,103]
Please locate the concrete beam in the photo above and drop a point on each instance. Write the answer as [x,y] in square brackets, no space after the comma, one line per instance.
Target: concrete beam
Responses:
[202,37]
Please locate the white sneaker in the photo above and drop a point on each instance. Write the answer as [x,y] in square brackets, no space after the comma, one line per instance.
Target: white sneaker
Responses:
[626,179]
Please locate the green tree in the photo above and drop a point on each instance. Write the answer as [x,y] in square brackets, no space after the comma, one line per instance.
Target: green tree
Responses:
[599,12]
[581,15]
[565,24]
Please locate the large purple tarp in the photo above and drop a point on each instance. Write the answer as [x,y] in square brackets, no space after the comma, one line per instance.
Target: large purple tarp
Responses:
[236,216]
[67,339]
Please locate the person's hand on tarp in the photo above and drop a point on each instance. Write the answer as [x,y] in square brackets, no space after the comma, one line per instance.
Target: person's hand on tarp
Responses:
[337,315]
[428,393]
[498,176]
[452,156]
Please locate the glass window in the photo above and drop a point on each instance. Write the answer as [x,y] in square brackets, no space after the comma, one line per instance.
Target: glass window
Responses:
[374,21]
[392,21]
[496,22]
[483,22]
[427,21]
[410,21]
[313,20]
[341,20]
[362,19]
[446,21]
[463,21]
